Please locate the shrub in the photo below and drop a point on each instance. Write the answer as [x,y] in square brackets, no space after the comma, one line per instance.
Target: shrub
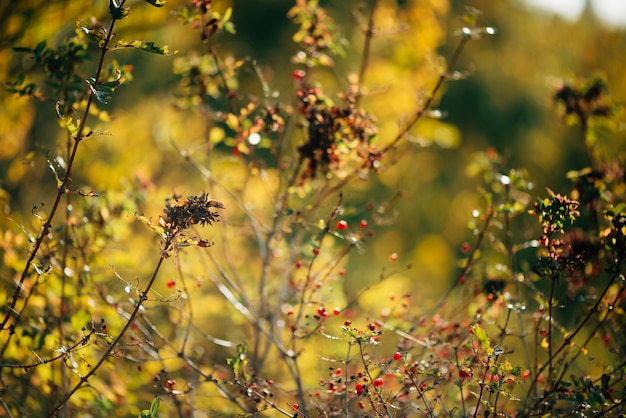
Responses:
[271,314]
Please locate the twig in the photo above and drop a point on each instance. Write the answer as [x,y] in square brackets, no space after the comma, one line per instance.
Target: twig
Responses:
[143,296]
[369,33]
[62,189]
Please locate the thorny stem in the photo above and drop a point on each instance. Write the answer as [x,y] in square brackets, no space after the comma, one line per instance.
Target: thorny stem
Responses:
[422,111]
[247,310]
[416,117]
[482,384]
[460,382]
[229,93]
[302,303]
[42,361]
[345,394]
[62,189]
[550,347]
[420,391]
[369,34]
[509,250]
[265,247]
[503,334]
[371,379]
[143,296]
[231,291]
[151,328]
[592,333]
[570,337]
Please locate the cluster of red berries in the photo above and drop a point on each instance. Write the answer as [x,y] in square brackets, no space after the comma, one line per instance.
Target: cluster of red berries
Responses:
[321,311]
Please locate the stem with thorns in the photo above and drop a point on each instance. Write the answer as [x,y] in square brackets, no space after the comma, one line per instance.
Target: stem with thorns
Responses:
[62,189]
[143,296]
[369,34]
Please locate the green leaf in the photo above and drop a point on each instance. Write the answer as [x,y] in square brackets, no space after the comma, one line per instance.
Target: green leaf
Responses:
[144,46]
[70,124]
[117,12]
[482,338]
[237,363]
[227,15]
[155,406]
[104,91]
[156,3]
[21,49]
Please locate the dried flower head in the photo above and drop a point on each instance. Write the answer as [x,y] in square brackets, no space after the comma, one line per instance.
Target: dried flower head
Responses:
[194,210]
[338,135]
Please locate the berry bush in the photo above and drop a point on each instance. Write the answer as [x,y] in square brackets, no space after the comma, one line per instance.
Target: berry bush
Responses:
[194,232]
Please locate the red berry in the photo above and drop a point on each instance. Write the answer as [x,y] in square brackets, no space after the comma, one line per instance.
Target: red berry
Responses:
[298,264]
[342,225]
[298,74]
[338,371]
[347,323]
[336,311]
[361,405]
[378,382]
[359,389]
[526,374]
[466,247]
[393,257]
[397,356]
[295,406]
[342,272]
[321,311]
[170,383]
[171,283]
[363,223]
[316,251]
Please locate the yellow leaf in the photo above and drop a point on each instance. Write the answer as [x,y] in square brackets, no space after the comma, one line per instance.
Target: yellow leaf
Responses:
[216,135]
[146,221]
[232,121]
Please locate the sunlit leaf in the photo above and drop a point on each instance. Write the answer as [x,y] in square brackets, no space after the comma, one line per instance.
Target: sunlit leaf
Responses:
[144,46]
[148,222]
[155,406]
[104,91]
[232,121]
[482,338]
[237,363]
[156,3]
[70,123]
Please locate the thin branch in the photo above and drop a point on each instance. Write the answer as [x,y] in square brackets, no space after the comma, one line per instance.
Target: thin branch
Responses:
[369,34]
[62,189]
[143,296]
